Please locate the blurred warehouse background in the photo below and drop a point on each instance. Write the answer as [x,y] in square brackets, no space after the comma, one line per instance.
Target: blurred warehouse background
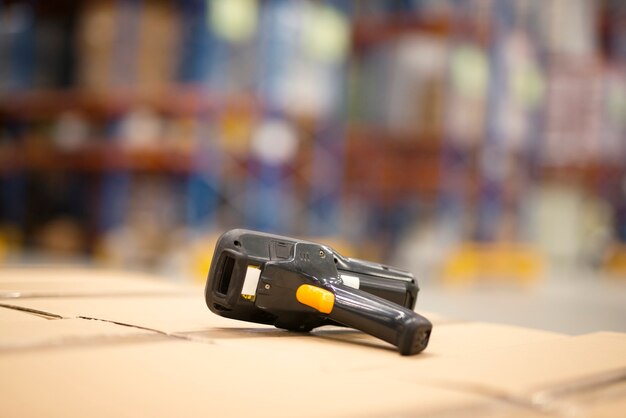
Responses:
[473,142]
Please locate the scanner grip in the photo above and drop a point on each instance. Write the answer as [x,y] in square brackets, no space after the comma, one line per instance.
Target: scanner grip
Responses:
[397,325]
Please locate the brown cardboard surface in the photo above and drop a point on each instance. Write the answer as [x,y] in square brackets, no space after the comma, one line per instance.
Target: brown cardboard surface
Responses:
[195,379]
[195,320]
[166,354]
[605,402]
[359,351]
[55,282]
[605,398]
[66,333]
[166,313]
[527,368]
[463,339]
[608,409]
[8,315]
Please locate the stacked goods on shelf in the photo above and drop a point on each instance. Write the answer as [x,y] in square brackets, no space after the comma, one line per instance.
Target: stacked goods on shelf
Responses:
[404,88]
[499,186]
[128,44]
[397,111]
[583,145]
[96,32]
[462,119]
[17,47]
[399,87]
[187,95]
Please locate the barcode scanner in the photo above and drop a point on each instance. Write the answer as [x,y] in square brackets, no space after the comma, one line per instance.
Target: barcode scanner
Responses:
[299,285]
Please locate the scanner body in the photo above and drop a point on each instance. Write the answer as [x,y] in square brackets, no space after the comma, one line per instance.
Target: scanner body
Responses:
[299,285]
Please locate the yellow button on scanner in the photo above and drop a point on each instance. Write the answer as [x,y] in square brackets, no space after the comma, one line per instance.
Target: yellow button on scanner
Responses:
[316,298]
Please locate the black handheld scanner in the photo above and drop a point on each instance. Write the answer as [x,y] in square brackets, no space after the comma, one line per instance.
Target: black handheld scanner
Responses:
[300,285]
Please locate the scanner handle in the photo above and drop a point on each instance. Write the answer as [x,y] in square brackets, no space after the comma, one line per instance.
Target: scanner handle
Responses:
[397,325]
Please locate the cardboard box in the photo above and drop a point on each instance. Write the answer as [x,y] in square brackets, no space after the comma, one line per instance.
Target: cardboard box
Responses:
[84,343]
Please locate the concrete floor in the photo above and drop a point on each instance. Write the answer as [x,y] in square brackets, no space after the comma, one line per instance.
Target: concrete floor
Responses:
[567,302]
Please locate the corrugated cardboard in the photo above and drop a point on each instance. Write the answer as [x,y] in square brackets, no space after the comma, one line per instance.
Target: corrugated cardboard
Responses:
[11,316]
[72,282]
[142,350]
[68,332]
